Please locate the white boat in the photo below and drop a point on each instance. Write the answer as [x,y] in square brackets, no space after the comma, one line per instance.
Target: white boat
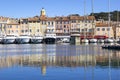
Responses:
[109,40]
[23,39]
[8,39]
[1,39]
[93,40]
[100,41]
[85,41]
[50,38]
[65,40]
[36,39]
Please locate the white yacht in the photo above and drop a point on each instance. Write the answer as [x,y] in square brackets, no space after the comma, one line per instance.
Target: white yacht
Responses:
[8,39]
[85,41]
[100,41]
[65,40]
[93,40]
[36,39]
[50,38]
[23,39]
[1,39]
[109,40]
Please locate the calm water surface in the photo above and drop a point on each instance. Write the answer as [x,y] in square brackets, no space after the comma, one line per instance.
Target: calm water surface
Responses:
[58,62]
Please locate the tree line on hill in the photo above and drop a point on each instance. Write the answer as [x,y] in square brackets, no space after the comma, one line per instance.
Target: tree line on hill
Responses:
[115,15]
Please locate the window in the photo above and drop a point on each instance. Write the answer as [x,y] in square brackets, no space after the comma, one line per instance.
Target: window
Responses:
[22,31]
[98,29]
[52,23]
[16,31]
[48,23]
[64,26]
[108,29]
[82,29]
[30,30]
[85,24]
[26,30]
[37,30]
[17,26]
[103,29]
[90,30]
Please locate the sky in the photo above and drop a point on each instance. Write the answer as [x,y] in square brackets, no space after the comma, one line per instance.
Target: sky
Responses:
[30,8]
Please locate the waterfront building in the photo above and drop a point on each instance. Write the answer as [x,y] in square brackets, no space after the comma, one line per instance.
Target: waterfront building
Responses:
[3,25]
[13,27]
[34,26]
[24,27]
[102,29]
[62,26]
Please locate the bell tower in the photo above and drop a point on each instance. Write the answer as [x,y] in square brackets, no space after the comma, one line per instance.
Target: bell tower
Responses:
[43,12]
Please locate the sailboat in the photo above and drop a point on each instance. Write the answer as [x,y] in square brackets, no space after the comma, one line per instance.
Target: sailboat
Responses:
[85,40]
[109,40]
[92,40]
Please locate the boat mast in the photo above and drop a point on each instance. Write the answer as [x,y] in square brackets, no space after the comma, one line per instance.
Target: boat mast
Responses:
[92,18]
[84,19]
[109,19]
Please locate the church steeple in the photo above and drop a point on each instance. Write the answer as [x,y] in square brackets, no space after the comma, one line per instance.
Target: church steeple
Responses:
[43,12]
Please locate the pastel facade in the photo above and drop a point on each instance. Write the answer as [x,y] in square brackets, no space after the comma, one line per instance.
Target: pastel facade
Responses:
[3,25]
[104,29]
[24,27]
[62,26]
[34,26]
[13,27]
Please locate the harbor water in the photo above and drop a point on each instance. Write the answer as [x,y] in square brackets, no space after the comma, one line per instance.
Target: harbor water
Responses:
[58,62]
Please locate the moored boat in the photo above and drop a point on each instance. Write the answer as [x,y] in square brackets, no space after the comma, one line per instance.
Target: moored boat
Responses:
[50,38]
[93,40]
[8,39]
[85,41]
[100,41]
[109,40]
[36,39]
[22,39]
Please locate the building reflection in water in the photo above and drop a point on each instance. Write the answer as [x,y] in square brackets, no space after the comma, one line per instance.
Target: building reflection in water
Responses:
[64,56]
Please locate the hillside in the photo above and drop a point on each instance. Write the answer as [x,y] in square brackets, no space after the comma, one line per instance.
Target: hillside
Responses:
[104,15]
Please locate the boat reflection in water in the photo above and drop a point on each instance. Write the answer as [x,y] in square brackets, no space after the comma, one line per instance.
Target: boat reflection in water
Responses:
[64,60]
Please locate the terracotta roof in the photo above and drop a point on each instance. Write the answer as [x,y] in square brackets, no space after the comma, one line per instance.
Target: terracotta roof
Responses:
[102,25]
[50,19]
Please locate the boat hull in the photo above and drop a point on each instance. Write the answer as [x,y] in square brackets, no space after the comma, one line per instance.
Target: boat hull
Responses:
[85,41]
[7,41]
[50,40]
[93,41]
[22,40]
[100,41]
[109,41]
[36,40]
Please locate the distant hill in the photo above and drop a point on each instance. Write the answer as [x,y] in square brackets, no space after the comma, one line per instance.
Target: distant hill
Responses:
[104,15]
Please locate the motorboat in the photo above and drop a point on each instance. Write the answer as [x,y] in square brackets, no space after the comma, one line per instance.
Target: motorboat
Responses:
[50,38]
[109,40]
[93,40]
[8,39]
[36,39]
[65,40]
[85,41]
[22,39]
[100,41]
